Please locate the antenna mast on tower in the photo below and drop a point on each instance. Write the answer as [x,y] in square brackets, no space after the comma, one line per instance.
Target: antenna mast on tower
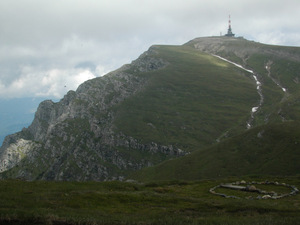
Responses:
[229,31]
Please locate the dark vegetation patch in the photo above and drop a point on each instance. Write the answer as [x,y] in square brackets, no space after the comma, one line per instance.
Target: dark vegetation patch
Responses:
[163,202]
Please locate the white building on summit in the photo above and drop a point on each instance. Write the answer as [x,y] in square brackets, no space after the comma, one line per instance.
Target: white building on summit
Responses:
[229,31]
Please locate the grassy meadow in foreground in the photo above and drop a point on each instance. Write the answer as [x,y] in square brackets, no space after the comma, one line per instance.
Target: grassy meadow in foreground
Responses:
[171,202]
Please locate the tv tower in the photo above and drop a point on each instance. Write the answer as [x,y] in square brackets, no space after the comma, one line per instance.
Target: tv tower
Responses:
[229,31]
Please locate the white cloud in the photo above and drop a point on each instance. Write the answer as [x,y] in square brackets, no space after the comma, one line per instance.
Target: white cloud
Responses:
[47,45]
[53,83]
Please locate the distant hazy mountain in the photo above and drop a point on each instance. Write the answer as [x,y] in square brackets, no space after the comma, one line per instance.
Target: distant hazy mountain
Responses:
[173,101]
[15,114]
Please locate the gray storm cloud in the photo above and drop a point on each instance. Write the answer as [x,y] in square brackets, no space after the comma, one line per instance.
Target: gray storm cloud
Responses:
[49,47]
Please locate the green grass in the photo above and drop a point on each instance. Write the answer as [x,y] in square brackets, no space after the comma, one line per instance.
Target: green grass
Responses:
[284,69]
[168,202]
[270,149]
[190,103]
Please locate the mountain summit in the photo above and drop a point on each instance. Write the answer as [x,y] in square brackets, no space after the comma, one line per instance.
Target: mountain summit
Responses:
[170,102]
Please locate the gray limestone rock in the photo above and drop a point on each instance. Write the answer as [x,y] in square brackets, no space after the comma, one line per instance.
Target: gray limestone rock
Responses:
[74,139]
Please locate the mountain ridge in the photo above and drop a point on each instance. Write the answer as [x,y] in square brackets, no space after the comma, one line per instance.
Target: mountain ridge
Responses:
[73,107]
[171,101]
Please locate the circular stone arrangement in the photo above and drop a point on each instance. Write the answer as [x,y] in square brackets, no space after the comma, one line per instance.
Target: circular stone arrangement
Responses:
[250,187]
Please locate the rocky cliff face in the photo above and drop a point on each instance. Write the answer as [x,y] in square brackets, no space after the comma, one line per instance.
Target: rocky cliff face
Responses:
[74,139]
[171,97]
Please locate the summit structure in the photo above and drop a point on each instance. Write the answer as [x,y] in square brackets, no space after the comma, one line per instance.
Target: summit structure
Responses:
[229,31]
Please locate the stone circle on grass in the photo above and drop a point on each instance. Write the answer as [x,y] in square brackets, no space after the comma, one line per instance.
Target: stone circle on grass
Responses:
[250,187]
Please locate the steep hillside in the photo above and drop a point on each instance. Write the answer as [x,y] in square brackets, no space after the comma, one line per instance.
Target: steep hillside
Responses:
[264,150]
[191,103]
[276,67]
[272,148]
[171,101]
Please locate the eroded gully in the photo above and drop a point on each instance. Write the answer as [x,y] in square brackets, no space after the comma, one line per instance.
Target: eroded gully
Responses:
[258,87]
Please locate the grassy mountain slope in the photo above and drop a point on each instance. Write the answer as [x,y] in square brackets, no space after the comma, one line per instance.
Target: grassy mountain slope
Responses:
[276,67]
[272,146]
[265,150]
[190,103]
[171,100]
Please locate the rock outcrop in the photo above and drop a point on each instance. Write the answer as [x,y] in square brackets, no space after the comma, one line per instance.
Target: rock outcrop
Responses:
[74,139]
[170,101]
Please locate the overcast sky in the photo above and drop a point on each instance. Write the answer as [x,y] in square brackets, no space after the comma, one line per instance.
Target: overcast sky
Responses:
[48,47]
